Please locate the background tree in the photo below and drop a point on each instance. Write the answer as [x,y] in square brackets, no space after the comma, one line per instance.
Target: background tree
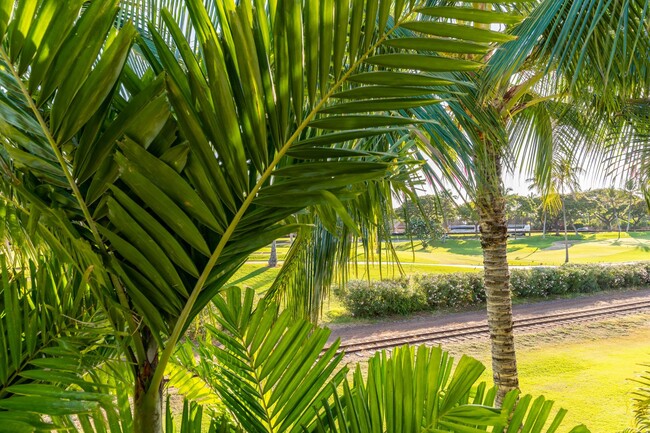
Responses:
[427,217]
[467,213]
[521,209]
[638,213]
[564,179]
[630,187]
[609,204]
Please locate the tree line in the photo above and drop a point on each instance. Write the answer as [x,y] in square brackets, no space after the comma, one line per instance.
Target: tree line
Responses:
[604,209]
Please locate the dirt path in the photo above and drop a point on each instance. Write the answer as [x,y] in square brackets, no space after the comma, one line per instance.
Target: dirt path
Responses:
[423,322]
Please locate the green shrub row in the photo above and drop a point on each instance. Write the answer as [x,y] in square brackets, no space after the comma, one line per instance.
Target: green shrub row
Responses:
[435,291]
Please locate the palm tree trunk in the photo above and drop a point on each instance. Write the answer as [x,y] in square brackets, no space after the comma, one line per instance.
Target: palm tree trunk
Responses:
[629,213]
[544,228]
[147,404]
[273,258]
[494,240]
[566,239]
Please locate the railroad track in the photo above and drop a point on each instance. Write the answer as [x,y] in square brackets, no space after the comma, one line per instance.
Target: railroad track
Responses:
[475,331]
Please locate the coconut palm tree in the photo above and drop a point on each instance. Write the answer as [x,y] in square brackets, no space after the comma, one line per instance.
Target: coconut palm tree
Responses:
[156,169]
[563,49]
[564,177]
[630,189]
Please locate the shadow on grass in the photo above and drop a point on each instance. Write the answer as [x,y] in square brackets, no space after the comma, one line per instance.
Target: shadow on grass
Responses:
[252,275]
[533,242]
[640,239]
[464,247]
[643,246]
[536,243]
[472,247]
[645,236]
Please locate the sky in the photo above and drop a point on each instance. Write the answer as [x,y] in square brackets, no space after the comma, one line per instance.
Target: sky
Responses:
[517,183]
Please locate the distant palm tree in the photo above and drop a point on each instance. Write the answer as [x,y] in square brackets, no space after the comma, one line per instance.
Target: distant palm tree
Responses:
[564,179]
[630,188]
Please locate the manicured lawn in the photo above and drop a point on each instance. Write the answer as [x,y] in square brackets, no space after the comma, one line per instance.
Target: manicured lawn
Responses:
[256,276]
[535,250]
[584,368]
[523,251]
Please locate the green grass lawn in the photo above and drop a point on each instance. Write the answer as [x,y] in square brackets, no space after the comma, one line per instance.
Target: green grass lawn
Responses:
[584,368]
[534,250]
[256,276]
[523,251]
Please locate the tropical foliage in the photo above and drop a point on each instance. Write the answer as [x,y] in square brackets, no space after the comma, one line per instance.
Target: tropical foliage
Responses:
[57,352]
[153,149]
[153,170]
[641,403]
[304,388]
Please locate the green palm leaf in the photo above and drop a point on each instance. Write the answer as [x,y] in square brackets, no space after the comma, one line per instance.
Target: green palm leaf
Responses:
[48,354]
[418,389]
[190,158]
[270,371]
[583,40]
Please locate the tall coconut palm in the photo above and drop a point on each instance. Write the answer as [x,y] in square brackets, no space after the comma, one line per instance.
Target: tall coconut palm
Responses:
[550,203]
[563,48]
[158,169]
[564,179]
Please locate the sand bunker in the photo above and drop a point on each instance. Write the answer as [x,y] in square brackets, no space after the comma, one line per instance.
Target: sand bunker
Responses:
[558,246]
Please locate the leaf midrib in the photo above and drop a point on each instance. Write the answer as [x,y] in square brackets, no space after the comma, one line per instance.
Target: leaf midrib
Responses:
[167,352]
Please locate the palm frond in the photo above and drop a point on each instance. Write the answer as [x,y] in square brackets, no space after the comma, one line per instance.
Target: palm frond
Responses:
[641,402]
[600,45]
[415,389]
[54,340]
[176,174]
[271,370]
[326,249]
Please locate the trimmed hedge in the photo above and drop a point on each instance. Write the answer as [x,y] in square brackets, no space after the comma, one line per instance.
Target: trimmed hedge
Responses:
[381,298]
[458,289]
[435,291]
